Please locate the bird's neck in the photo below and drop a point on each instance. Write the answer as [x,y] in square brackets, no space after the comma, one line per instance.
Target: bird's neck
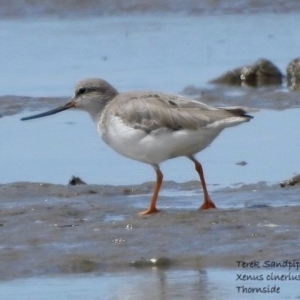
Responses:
[95,109]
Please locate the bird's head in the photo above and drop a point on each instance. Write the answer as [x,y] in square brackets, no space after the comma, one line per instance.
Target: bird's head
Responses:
[90,95]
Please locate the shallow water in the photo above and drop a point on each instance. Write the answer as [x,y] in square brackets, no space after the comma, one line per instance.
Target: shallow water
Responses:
[192,50]
[53,149]
[125,51]
[217,284]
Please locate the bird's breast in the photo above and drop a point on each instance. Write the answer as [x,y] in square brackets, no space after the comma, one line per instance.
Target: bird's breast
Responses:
[154,147]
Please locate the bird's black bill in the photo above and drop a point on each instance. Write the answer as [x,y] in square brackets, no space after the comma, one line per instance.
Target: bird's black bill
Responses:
[50,112]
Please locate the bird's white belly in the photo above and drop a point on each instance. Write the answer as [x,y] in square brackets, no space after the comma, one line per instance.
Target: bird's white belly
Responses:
[157,146]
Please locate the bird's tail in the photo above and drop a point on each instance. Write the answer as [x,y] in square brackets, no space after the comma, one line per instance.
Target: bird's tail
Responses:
[240,111]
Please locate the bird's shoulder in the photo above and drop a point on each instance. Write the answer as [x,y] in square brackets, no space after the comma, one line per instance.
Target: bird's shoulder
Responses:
[168,101]
[154,110]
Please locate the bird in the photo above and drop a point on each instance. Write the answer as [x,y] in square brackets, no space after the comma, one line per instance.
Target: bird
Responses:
[152,127]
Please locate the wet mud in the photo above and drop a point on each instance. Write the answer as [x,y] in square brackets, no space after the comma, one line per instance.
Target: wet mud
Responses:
[17,9]
[261,98]
[49,229]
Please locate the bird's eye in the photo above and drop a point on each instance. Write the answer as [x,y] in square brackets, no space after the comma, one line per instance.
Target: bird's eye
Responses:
[81,91]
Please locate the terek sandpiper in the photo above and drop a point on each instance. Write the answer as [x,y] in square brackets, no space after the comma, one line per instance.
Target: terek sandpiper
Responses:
[152,127]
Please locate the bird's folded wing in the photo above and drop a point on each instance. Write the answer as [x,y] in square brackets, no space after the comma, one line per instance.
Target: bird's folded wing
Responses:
[153,111]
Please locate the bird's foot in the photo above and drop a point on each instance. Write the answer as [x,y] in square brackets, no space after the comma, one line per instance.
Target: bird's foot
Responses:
[207,205]
[149,211]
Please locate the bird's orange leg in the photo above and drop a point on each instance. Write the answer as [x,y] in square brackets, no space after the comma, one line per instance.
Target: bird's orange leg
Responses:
[207,201]
[152,207]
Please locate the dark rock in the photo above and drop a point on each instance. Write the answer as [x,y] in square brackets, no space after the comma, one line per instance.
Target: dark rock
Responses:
[262,73]
[160,262]
[291,181]
[293,74]
[76,181]
[141,263]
